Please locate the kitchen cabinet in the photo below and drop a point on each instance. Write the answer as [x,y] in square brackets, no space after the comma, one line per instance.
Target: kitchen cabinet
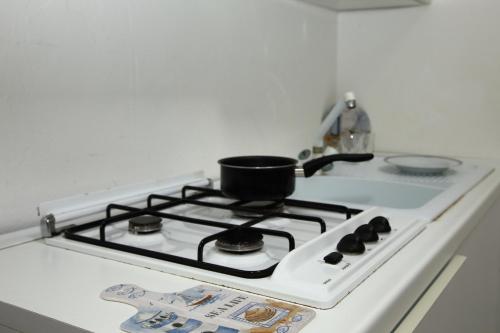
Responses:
[340,5]
[471,300]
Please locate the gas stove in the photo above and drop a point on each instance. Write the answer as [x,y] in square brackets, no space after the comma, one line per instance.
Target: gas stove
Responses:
[311,253]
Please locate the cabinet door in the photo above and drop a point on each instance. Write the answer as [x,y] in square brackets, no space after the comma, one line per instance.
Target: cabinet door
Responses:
[429,297]
[471,301]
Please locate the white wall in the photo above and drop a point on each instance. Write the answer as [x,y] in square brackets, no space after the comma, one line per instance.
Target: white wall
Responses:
[428,76]
[98,93]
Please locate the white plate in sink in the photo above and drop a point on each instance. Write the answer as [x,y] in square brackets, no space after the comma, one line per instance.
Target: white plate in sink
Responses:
[422,164]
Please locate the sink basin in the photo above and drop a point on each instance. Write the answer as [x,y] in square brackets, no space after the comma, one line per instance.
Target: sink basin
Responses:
[375,183]
[365,192]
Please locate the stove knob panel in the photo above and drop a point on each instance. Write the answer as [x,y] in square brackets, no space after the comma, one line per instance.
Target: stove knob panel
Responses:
[352,244]
[333,258]
[381,224]
[367,233]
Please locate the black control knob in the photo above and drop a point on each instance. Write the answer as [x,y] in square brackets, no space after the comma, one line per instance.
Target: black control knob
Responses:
[351,243]
[333,258]
[367,233]
[381,224]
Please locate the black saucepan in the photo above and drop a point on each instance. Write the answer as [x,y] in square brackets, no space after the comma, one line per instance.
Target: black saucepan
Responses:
[270,178]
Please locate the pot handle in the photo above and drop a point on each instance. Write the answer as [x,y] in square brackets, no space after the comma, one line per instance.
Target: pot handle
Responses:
[312,166]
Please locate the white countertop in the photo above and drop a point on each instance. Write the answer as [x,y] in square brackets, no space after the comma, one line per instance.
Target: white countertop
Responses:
[65,285]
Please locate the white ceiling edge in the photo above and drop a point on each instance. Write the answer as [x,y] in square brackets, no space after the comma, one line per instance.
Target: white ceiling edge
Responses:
[348,5]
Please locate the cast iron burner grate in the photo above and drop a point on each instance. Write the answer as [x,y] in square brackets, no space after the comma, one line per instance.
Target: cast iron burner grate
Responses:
[251,226]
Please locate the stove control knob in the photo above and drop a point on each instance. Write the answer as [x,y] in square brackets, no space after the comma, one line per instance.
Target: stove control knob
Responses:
[351,243]
[367,233]
[333,258]
[381,224]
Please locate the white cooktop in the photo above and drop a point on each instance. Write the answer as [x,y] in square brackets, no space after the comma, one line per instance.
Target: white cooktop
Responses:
[301,276]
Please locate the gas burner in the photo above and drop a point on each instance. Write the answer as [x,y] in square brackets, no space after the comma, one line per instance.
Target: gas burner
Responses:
[144,224]
[259,207]
[242,240]
[245,261]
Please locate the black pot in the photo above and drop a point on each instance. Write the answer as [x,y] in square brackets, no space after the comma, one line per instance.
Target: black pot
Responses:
[270,178]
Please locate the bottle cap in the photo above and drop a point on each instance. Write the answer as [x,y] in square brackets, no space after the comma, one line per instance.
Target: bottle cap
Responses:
[349,96]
